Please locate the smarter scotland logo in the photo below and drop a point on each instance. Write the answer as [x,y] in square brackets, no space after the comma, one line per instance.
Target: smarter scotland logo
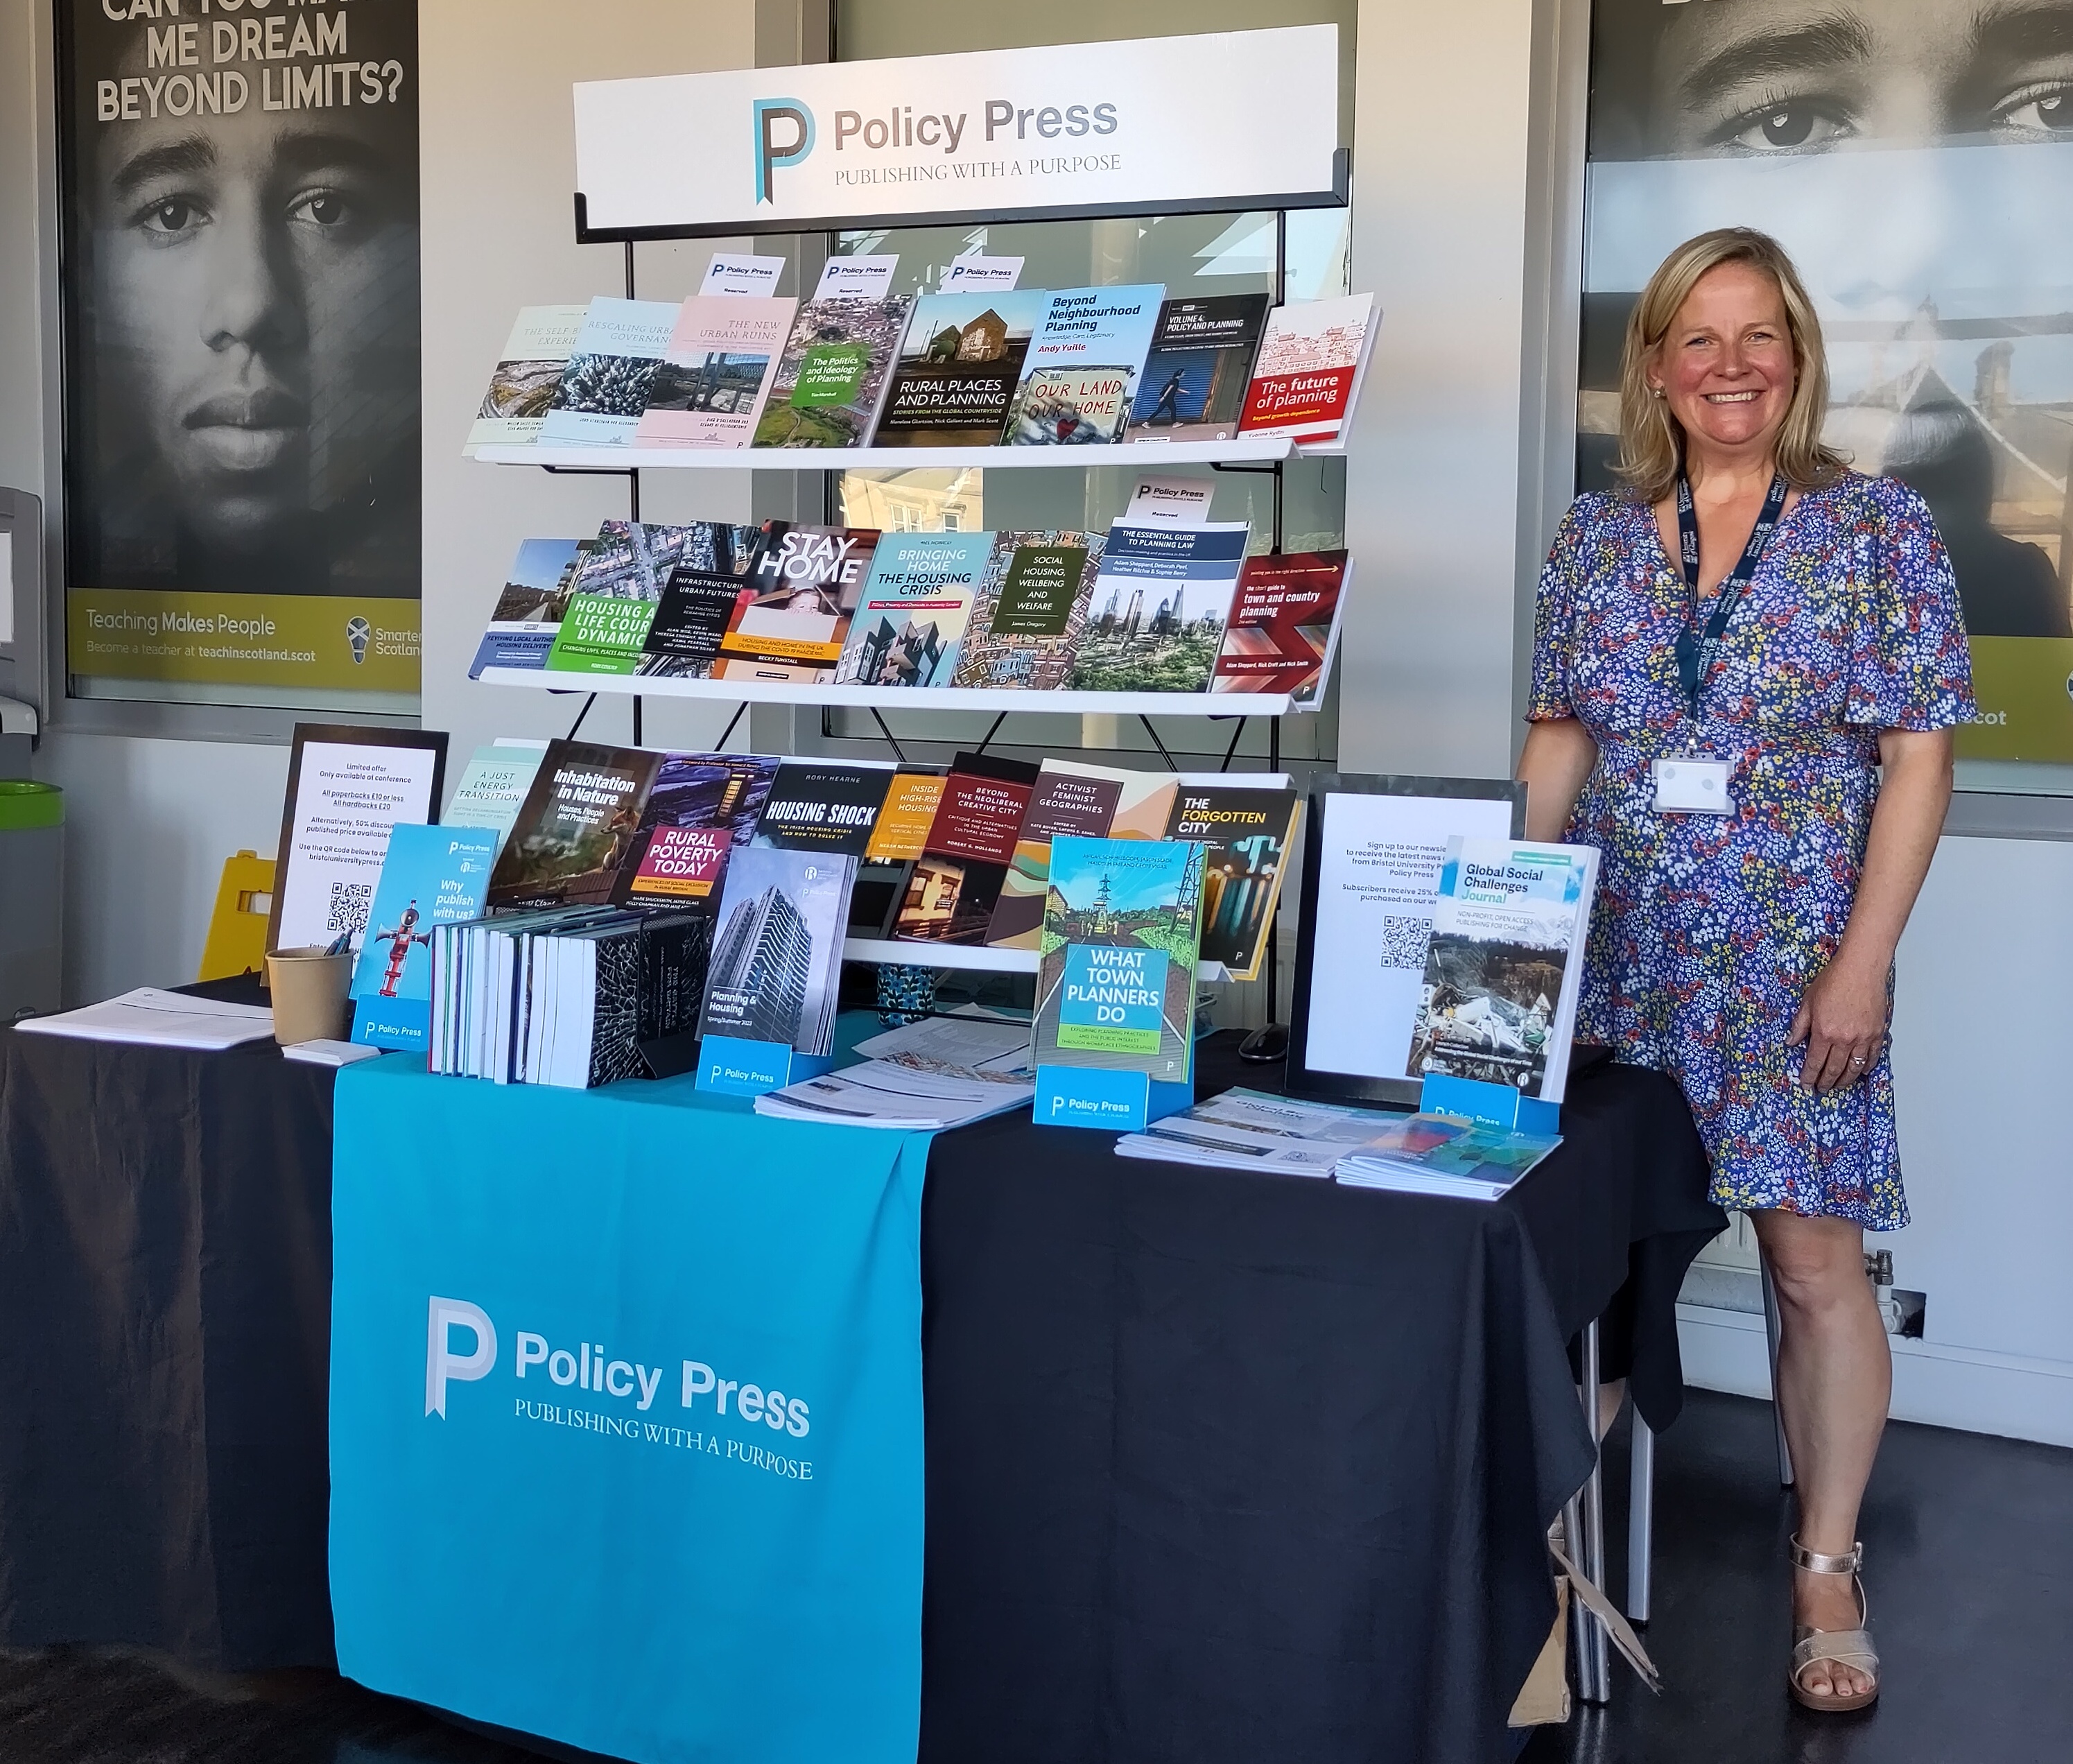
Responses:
[783,129]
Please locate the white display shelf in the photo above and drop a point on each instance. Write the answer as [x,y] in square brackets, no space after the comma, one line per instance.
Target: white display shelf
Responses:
[970,957]
[982,699]
[1133,455]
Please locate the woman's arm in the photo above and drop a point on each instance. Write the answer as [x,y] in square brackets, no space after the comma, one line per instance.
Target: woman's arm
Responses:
[1842,1018]
[1556,765]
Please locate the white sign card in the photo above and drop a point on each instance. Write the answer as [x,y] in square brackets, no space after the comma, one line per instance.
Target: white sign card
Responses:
[856,278]
[1221,122]
[974,272]
[1170,502]
[735,272]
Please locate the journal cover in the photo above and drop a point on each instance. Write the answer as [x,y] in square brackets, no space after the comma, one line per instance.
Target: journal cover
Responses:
[716,373]
[1246,834]
[1030,611]
[1116,988]
[431,876]
[951,892]
[1159,607]
[820,807]
[910,619]
[522,388]
[832,376]
[1195,378]
[580,822]
[1085,361]
[807,581]
[1309,367]
[1091,801]
[1282,623]
[777,952]
[604,388]
[529,611]
[957,368]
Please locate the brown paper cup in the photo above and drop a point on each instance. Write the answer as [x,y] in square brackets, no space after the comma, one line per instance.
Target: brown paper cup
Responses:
[309,989]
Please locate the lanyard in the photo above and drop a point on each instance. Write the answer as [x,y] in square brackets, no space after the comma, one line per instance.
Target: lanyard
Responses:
[1694,650]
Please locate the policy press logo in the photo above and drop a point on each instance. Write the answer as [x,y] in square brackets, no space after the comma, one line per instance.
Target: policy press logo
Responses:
[784,135]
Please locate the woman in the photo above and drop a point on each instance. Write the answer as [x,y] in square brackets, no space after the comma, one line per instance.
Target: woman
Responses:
[1746,673]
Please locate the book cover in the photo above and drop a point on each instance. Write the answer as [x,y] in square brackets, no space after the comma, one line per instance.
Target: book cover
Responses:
[1086,359]
[580,822]
[1504,965]
[1309,367]
[1161,599]
[957,368]
[817,805]
[600,635]
[1030,610]
[710,789]
[902,834]
[911,617]
[1279,636]
[690,619]
[776,956]
[1090,801]
[716,373]
[1444,1154]
[493,789]
[1116,987]
[955,883]
[618,585]
[1200,361]
[1246,834]
[832,376]
[604,388]
[522,390]
[529,610]
[431,875]
[679,864]
[807,581]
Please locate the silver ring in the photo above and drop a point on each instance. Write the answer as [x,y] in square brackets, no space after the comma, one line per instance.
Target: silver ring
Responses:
[1857,1059]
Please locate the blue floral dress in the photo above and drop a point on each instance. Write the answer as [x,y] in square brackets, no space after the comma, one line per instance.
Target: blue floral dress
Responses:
[1707,929]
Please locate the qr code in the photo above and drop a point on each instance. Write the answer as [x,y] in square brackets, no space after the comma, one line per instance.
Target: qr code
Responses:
[349,902]
[1404,941]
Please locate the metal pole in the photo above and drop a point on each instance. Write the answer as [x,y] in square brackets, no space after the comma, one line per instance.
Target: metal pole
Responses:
[1593,1662]
[1640,1522]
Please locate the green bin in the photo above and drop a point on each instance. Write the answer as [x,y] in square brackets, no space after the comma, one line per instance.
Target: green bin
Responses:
[31,897]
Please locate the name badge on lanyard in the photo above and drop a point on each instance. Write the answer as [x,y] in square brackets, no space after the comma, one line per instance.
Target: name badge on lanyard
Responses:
[1697,783]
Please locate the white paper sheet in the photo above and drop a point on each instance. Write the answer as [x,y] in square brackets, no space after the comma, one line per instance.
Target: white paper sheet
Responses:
[151,1016]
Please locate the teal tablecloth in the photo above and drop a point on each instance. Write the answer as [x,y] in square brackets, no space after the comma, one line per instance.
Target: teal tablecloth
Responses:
[541,1515]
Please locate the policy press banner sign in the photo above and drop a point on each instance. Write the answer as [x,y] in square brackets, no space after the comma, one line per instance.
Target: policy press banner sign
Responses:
[1166,124]
[239,207]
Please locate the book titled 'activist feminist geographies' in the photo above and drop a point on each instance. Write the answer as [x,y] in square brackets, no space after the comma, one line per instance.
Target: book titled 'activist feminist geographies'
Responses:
[604,388]
[1116,989]
[521,390]
[1030,610]
[1081,374]
[1092,801]
[832,376]
[1195,378]
[1160,604]
[910,619]
[958,369]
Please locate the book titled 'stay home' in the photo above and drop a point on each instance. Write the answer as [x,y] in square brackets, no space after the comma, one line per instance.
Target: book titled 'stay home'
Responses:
[806,581]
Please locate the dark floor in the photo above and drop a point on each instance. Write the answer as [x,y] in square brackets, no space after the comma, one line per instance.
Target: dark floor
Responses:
[1970,1547]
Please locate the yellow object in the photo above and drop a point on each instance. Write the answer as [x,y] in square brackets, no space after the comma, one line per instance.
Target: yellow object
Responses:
[237,928]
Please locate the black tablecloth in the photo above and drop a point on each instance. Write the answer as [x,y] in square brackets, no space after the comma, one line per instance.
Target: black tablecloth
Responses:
[1230,1466]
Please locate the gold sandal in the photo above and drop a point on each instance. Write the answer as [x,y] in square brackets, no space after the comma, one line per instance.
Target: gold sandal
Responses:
[1840,1647]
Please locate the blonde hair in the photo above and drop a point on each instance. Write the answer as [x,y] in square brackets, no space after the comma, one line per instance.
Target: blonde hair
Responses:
[1651,439]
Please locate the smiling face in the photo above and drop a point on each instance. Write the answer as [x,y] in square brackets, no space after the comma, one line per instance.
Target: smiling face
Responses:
[1725,365]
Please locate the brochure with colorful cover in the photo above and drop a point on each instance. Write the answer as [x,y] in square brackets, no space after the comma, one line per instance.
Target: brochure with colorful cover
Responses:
[431,875]
[817,805]
[807,582]
[716,372]
[529,611]
[1445,1154]
[1085,362]
[1030,610]
[1246,833]
[1504,965]
[776,956]
[911,617]
[1310,366]
[1116,987]
[951,892]
[1284,623]
[1092,801]
[522,390]
[1159,604]
[604,388]
[1195,378]
[1248,1129]
[958,369]
[833,374]
[580,822]
[493,789]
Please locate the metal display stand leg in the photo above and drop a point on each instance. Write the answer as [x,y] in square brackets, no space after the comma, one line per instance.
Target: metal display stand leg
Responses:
[1593,1657]
[1640,1522]
[1770,1330]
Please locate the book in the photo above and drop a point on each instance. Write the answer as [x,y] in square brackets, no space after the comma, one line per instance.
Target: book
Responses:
[821,806]
[1081,374]
[778,951]
[1246,833]
[897,840]
[579,822]
[1196,374]
[832,376]
[955,883]
[604,388]
[1312,360]
[716,373]
[430,876]
[616,590]
[679,863]
[1092,801]
[806,582]
[911,615]
[889,1093]
[1115,988]
[700,598]
[493,789]
[719,793]
[521,389]
[957,368]
[1445,1155]
[1156,617]
[1248,1130]
[1030,610]
[529,610]
[1284,621]
[1504,964]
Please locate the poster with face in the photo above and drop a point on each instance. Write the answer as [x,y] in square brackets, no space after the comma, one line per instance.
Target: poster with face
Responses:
[240,211]
[1915,157]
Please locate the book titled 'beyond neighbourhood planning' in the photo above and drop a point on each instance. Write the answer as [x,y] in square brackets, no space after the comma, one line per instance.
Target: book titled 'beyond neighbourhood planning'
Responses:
[1085,359]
